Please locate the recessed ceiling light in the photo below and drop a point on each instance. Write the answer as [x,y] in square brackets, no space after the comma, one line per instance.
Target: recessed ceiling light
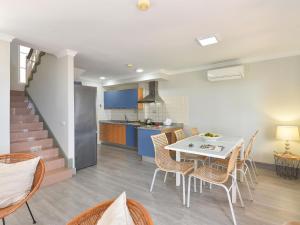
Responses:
[207,41]
[139,70]
[102,78]
[129,65]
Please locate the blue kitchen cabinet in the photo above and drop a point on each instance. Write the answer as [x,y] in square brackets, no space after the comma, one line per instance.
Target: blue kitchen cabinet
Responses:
[121,99]
[131,97]
[111,99]
[145,145]
[131,136]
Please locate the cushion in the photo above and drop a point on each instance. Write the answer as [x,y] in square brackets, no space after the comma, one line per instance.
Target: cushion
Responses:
[16,181]
[117,213]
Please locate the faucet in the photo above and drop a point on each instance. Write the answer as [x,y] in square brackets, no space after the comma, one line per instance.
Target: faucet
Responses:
[126,119]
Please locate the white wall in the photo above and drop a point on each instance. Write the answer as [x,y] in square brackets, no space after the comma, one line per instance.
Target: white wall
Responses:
[52,90]
[4,97]
[268,95]
[14,68]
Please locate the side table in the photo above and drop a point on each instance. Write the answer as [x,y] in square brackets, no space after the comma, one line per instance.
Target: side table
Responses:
[287,164]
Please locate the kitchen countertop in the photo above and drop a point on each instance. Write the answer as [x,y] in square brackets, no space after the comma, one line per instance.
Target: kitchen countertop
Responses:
[161,127]
[144,126]
[134,123]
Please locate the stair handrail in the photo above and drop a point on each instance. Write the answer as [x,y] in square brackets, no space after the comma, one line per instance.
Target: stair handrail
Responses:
[32,61]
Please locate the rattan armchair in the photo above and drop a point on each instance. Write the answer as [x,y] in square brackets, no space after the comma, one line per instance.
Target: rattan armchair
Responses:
[38,178]
[292,223]
[218,177]
[91,216]
[166,164]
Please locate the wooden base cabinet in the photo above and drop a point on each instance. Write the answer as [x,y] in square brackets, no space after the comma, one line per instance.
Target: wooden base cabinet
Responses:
[113,133]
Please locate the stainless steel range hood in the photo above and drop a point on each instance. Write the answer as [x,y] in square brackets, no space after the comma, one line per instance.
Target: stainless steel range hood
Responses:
[153,96]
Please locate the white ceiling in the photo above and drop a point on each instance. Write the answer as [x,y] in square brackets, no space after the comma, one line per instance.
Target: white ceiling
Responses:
[108,34]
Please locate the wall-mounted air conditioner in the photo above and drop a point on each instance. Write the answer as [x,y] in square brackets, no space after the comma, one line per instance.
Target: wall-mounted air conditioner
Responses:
[228,73]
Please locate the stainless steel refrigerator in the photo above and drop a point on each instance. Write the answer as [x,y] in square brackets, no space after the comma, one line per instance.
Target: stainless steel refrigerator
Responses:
[85,126]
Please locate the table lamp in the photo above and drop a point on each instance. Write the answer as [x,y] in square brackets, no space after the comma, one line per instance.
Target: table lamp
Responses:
[287,133]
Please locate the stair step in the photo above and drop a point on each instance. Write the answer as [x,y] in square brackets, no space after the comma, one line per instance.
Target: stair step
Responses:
[31,145]
[25,127]
[17,119]
[54,163]
[28,136]
[55,176]
[17,93]
[20,111]
[18,104]
[18,98]
[47,153]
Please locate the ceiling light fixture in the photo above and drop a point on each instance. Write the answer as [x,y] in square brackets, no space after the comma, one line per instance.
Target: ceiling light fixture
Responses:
[102,78]
[143,5]
[129,65]
[207,41]
[139,70]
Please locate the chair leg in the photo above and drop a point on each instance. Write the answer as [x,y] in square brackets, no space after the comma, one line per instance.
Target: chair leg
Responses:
[183,189]
[254,165]
[165,177]
[239,193]
[195,181]
[154,175]
[247,183]
[253,170]
[230,204]
[189,191]
[34,222]
[201,186]
[250,176]
[3,221]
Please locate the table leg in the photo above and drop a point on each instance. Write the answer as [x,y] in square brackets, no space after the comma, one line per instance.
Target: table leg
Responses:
[233,191]
[177,174]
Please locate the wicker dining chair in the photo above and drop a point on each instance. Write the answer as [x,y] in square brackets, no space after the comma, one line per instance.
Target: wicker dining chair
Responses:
[251,161]
[166,164]
[91,216]
[37,180]
[195,131]
[242,165]
[218,177]
[180,135]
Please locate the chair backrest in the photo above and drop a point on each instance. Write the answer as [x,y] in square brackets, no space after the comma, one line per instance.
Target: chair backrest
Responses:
[162,155]
[249,147]
[179,134]
[194,131]
[233,158]
[159,141]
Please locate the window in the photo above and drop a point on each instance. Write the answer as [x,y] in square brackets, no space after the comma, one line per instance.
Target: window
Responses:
[23,52]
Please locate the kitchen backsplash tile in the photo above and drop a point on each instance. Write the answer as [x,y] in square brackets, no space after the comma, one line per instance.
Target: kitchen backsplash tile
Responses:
[119,114]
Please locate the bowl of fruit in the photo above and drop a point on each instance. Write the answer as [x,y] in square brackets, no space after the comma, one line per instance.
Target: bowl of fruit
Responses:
[208,136]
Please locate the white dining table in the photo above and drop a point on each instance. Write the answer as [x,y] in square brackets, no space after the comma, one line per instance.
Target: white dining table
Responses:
[192,145]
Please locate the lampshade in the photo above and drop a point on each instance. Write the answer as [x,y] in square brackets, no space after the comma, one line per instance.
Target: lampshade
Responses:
[143,5]
[287,133]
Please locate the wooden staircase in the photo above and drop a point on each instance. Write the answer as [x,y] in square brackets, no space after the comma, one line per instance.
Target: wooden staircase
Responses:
[27,134]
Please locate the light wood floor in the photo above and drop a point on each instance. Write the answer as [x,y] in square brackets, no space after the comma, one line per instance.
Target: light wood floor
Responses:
[276,200]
